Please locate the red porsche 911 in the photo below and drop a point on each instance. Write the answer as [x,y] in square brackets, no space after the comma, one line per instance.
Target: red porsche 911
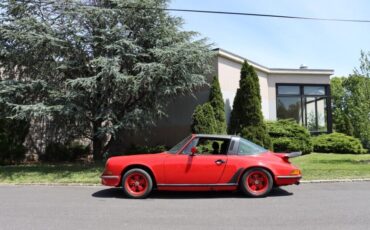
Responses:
[203,162]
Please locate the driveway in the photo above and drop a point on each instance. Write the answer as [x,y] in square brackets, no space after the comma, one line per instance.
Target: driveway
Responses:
[307,206]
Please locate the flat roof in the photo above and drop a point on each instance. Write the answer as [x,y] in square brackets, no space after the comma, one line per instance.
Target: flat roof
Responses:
[236,58]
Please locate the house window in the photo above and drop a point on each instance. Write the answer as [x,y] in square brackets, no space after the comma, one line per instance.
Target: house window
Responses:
[307,104]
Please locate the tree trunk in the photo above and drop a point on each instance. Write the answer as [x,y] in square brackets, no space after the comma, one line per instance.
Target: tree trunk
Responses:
[97,149]
[101,142]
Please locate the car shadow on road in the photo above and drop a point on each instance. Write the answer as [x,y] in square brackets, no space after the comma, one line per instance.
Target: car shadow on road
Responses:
[118,193]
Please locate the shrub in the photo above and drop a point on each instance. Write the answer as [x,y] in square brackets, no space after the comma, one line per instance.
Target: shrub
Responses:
[288,136]
[11,155]
[57,152]
[204,120]
[337,143]
[12,136]
[258,135]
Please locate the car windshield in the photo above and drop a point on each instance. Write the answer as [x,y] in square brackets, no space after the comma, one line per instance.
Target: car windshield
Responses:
[248,148]
[177,147]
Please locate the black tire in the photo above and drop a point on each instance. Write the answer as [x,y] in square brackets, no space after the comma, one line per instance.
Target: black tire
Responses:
[263,181]
[141,176]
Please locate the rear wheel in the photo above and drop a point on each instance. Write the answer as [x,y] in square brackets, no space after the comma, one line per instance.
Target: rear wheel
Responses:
[137,183]
[256,182]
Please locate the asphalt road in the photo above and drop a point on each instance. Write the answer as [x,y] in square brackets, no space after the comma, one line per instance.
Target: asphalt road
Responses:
[307,206]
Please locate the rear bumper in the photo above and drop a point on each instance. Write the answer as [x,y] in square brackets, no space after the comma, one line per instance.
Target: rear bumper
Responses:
[288,180]
[110,180]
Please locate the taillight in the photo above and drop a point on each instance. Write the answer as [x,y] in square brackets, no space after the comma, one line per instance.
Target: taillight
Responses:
[295,172]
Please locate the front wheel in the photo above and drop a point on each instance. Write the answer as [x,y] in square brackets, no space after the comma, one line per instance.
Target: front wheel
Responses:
[256,182]
[137,183]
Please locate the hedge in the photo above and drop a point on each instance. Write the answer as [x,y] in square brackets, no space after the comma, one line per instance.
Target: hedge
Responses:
[289,136]
[337,143]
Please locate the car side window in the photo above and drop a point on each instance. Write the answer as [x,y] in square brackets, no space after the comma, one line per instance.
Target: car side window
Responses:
[249,148]
[209,146]
[192,144]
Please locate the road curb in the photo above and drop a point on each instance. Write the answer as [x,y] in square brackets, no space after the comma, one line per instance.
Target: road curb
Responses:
[335,181]
[52,184]
[97,185]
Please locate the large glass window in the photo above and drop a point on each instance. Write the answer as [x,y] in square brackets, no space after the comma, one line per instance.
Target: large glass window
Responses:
[307,104]
[314,90]
[288,90]
[289,107]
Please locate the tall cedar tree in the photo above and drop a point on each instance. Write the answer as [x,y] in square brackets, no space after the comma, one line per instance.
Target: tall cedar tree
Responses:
[105,65]
[246,117]
[218,105]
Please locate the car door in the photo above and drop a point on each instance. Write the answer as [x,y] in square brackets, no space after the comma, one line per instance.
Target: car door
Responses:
[200,169]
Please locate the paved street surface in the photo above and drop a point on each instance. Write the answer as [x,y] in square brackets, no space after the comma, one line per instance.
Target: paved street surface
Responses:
[308,206]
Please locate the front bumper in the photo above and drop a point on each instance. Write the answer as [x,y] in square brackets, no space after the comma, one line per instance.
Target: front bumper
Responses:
[110,180]
[288,180]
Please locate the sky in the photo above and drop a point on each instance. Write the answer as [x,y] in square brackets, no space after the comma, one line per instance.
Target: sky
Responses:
[284,43]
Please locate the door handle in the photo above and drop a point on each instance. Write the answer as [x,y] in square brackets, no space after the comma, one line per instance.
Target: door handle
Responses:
[219,162]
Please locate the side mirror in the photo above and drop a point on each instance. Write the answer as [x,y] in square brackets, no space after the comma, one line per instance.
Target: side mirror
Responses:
[193,150]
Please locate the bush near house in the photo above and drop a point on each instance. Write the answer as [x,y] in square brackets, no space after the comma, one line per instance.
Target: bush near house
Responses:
[288,136]
[204,120]
[337,143]
[210,117]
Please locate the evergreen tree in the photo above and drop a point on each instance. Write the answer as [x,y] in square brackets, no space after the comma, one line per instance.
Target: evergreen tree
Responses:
[103,65]
[204,120]
[217,103]
[351,105]
[246,117]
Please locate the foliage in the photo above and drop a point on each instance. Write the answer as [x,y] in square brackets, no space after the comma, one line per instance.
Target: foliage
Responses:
[337,143]
[341,120]
[246,116]
[12,135]
[288,136]
[104,66]
[57,152]
[351,102]
[204,120]
[217,102]
[352,107]
[257,134]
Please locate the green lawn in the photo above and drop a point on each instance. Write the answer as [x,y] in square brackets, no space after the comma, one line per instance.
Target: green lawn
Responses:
[315,166]
[321,166]
[47,173]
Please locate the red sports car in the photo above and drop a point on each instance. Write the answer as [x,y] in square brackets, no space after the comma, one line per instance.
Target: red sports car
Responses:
[200,163]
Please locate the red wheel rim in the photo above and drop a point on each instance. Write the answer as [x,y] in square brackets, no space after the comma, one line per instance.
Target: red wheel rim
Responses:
[136,184]
[257,182]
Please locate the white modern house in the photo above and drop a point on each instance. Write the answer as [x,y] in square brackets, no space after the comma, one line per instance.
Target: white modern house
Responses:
[302,94]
